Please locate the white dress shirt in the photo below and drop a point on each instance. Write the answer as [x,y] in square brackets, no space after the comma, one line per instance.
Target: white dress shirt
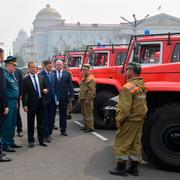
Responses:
[37,80]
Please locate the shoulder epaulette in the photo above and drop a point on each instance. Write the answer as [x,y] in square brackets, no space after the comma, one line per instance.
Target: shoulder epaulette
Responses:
[131,86]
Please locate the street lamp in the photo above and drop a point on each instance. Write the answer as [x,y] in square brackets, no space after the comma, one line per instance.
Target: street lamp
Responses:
[134,16]
[135,23]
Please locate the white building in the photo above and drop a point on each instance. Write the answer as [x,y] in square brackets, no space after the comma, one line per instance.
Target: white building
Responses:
[51,35]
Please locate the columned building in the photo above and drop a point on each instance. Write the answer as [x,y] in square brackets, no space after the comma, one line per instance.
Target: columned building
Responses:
[51,35]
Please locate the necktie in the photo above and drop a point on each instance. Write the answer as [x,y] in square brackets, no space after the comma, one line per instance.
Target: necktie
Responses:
[48,75]
[36,86]
[59,75]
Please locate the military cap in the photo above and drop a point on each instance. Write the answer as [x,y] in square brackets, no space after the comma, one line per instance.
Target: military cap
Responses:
[86,66]
[136,67]
[11,60]
[65,65]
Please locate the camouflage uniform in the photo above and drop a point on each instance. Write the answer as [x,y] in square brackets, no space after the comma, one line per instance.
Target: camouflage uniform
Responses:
[86,96]
[131,112]
[130,115]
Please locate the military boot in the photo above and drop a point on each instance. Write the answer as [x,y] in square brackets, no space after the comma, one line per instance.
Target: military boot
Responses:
[133,169]
[120,169]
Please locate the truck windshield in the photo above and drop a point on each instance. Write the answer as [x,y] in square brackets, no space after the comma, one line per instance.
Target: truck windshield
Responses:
[98,59]
[149,54]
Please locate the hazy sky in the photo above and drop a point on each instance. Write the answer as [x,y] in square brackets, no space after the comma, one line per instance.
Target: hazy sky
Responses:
[18,14]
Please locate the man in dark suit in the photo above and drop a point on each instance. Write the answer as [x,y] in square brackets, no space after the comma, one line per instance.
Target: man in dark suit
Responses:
[48,116]
[19,77]
[62,88]
[3,106]
[33,91]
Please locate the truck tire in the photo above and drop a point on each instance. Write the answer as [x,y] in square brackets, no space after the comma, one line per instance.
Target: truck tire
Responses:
[76,106]
[100,102]
[161,137]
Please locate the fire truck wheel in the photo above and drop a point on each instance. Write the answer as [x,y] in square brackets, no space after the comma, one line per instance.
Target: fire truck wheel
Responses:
[100,102]
[76,106]
[161,137]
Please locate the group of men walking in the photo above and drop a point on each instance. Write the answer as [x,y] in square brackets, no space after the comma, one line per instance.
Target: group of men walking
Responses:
[42,93]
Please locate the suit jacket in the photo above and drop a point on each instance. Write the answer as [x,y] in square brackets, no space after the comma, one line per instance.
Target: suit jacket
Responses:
[29,96]
[63,89]
[3,95]
[49,97]
[19,77]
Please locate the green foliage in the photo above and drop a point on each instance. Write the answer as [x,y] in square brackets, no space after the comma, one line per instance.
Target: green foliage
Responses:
[20,60]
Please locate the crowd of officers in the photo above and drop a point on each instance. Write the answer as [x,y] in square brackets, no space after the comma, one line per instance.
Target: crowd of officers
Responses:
[51,88]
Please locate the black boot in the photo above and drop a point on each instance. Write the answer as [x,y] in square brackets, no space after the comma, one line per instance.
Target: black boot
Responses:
[120,170]
[133,169]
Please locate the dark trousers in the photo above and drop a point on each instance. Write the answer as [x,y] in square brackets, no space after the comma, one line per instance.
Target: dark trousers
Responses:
[49,118]
[38,113]
[19,120]
[63,115]
[2,120]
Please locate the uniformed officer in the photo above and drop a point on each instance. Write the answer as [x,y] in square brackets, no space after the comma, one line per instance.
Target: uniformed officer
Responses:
[12,96]
[86,96]
[130,116]
[3,106]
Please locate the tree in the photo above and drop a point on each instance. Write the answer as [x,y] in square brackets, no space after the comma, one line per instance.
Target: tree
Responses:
[20,60]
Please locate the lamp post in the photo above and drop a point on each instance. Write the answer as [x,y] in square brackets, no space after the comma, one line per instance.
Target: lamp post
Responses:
[135,23]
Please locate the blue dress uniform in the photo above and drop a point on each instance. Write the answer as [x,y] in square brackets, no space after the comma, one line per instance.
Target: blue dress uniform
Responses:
[10,123]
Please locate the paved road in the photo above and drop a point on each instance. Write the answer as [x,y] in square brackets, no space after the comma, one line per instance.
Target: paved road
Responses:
[80,156]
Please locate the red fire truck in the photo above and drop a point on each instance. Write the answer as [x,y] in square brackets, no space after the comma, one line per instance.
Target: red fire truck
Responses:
[159,56]
[104,60]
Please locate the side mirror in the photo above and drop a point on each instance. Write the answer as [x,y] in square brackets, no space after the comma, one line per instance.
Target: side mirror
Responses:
[136,49]
[136,52]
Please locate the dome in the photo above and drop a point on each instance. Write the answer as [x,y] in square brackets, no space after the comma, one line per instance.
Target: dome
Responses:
[48,11]
[22,35]
[48,16]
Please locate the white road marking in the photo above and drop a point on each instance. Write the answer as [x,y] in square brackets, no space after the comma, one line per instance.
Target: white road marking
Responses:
[79,123]
[99,136]
[95,133]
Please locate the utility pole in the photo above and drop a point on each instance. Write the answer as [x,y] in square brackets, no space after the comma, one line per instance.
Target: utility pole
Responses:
[135,23]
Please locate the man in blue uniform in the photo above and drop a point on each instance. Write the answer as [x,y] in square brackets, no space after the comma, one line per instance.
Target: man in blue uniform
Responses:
[3,106]
[12,96]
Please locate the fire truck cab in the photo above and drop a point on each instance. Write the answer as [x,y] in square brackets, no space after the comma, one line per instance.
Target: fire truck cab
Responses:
[104,60]
[159,56]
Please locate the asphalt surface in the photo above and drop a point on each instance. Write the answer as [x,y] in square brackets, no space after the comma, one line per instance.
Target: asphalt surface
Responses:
[79,156]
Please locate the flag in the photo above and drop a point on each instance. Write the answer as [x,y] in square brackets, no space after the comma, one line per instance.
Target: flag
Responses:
[159,7]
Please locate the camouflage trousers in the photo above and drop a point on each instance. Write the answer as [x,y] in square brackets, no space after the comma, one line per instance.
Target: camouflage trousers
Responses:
[128,141]
[87,112]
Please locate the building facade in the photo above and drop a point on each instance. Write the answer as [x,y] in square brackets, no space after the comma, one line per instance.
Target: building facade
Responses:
[51,35]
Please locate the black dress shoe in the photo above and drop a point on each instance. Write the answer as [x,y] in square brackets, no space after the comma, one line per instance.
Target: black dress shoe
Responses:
[55,127]
[20,134]
[43,144]
[69,117]
[9,149]
[48,140]
[5,159]
[64,134]
[15,146]
[84,128]
[88,130]
[3,154]
[31,145]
